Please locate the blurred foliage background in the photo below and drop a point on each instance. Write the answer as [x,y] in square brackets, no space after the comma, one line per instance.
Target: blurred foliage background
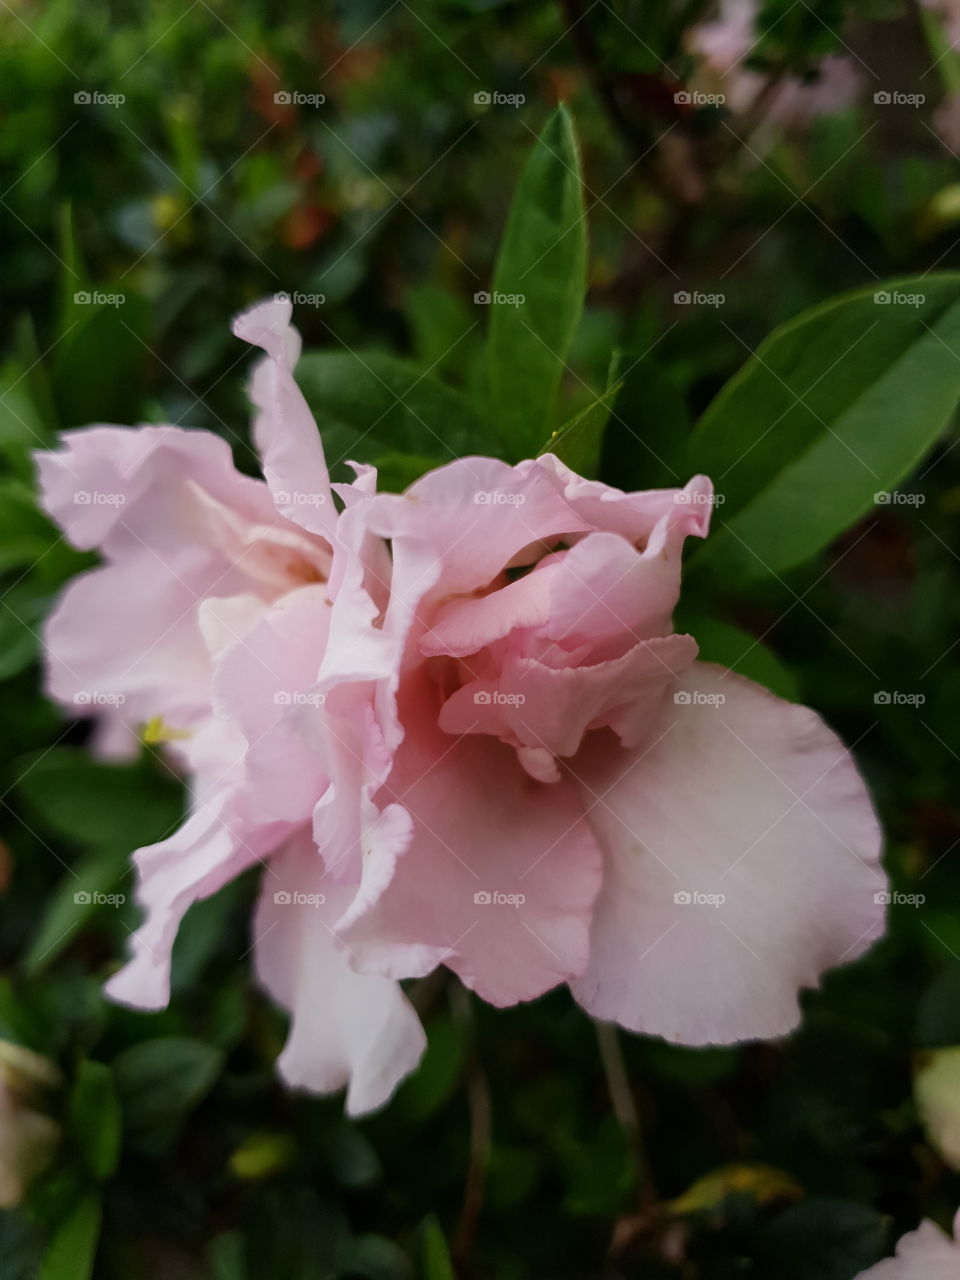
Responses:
[132,231]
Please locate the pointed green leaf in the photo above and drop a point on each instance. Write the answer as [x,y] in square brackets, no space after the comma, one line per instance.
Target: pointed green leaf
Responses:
[835,408]
[539,284]
[72,1251]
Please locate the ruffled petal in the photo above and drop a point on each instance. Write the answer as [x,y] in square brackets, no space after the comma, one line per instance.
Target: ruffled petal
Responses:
[348,1029]
[498,881]
[284,429]
[741,860]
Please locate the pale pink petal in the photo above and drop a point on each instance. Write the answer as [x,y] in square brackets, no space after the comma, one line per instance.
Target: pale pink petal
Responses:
[121,488]
[499,878]
[285,432]
[533,705]
[349,1029]
[741,860]
[210,849]
[266,685]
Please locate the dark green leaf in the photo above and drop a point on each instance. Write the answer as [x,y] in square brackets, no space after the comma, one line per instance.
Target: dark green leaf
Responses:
[732,647]
[435,1262]
[159,1082]
[368,404]
[108,806]
[71,1252]
[89,887]
[579,441]
[95,1117]
[821,1240]
[835,407]
[542,260]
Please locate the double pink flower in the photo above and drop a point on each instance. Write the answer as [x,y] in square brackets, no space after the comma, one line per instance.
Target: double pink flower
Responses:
[456,727]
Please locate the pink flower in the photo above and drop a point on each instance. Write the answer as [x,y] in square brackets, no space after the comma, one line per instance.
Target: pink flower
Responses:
[206,570]
[457,727]
[925,1254]
[585,802]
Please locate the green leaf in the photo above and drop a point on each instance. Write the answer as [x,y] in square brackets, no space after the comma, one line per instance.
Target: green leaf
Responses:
[435,1259]
[79,894]
[159,1082]
[107,806]
[98,337]
[368,404]
[835,407]
[441,322]
[543,260]
[376,1258]
[737,649]
[821,1239]
[645,443]
[95,1117]
[21,617]
[578,441]
[72,1251]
